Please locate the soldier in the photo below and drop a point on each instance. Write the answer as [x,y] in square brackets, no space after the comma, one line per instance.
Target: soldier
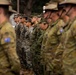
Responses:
[52,42]
[49,20]
[34,20]
[57,61]
[25,54]
[45,35]
[9,62]
[69,54]
[36,47]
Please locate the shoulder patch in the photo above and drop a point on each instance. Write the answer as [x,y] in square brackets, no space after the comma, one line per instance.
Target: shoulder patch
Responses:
[61,30]
[7,40]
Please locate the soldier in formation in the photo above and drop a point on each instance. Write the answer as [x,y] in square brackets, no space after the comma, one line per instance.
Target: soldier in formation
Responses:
[52,40]
[39,45]
[9,61]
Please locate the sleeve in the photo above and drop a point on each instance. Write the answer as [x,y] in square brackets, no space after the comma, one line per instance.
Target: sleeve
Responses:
[8,41]
[73,30]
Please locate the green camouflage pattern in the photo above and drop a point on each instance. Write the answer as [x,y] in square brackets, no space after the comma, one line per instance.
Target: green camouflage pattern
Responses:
[69,55]
[9,61]
[48,51]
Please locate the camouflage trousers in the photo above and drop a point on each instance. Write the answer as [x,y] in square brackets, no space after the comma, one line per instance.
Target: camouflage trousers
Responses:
[52,62]
[36,59]
[69,62]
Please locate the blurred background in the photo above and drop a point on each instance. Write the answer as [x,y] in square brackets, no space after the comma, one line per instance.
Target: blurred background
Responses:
[29,7]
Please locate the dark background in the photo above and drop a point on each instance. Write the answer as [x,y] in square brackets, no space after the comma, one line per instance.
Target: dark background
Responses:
[29,7]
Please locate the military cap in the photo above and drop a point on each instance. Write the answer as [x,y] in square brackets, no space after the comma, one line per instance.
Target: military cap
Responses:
[51,6]
[58,1]
[11,10]
[42,21]
[68,2]
[4,2]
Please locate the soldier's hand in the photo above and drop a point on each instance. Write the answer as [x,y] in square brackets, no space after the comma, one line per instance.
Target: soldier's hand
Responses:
[21,72]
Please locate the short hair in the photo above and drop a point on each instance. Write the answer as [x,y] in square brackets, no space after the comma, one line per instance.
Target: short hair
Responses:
[28,20]
[25,17]
[5,8]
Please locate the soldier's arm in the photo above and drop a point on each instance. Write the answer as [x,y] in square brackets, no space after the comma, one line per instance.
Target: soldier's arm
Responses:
[8,42]
[73,30]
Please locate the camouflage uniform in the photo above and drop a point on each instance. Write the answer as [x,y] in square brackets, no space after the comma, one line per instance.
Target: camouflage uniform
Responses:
[57,61]
[37,37]
[67,45]
[9,62]
[69,56]
[18,42]
[48,50]
[26,44]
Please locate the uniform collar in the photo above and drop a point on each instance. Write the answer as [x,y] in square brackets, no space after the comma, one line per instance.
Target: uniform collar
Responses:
[1,25]
[53,24]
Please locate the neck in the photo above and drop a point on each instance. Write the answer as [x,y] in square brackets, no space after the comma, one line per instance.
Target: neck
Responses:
[66,19]
[73,15]
[56,18]
[3,19]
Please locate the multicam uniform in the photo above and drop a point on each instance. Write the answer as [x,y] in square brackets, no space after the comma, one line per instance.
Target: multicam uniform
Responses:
[69,54]
[37,37]
[48,50]
[60,49]
[9,62]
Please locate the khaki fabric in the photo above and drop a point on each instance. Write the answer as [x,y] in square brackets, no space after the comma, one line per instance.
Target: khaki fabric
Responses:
[68,1]
[49,49]
[4,2]
[69,54]
[8,57]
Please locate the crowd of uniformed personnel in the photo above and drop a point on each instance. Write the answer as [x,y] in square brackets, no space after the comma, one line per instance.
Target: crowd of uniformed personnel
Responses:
[43,44]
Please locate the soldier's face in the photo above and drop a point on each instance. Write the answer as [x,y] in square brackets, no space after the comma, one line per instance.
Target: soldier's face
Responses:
[24,23]
[63,13]
[49,20]
[34,19]
[67,8]
[46,14]
[15,19]
[28,24]
[43,26]
[54,16]
[22,20]
[71,11]
[2,11]
[60,12]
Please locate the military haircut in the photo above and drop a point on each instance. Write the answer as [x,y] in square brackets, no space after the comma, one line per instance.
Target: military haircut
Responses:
[25,17]
[28,20]
[5,8]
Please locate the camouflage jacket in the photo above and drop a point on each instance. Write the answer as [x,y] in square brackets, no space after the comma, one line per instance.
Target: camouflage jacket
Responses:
[8,55]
